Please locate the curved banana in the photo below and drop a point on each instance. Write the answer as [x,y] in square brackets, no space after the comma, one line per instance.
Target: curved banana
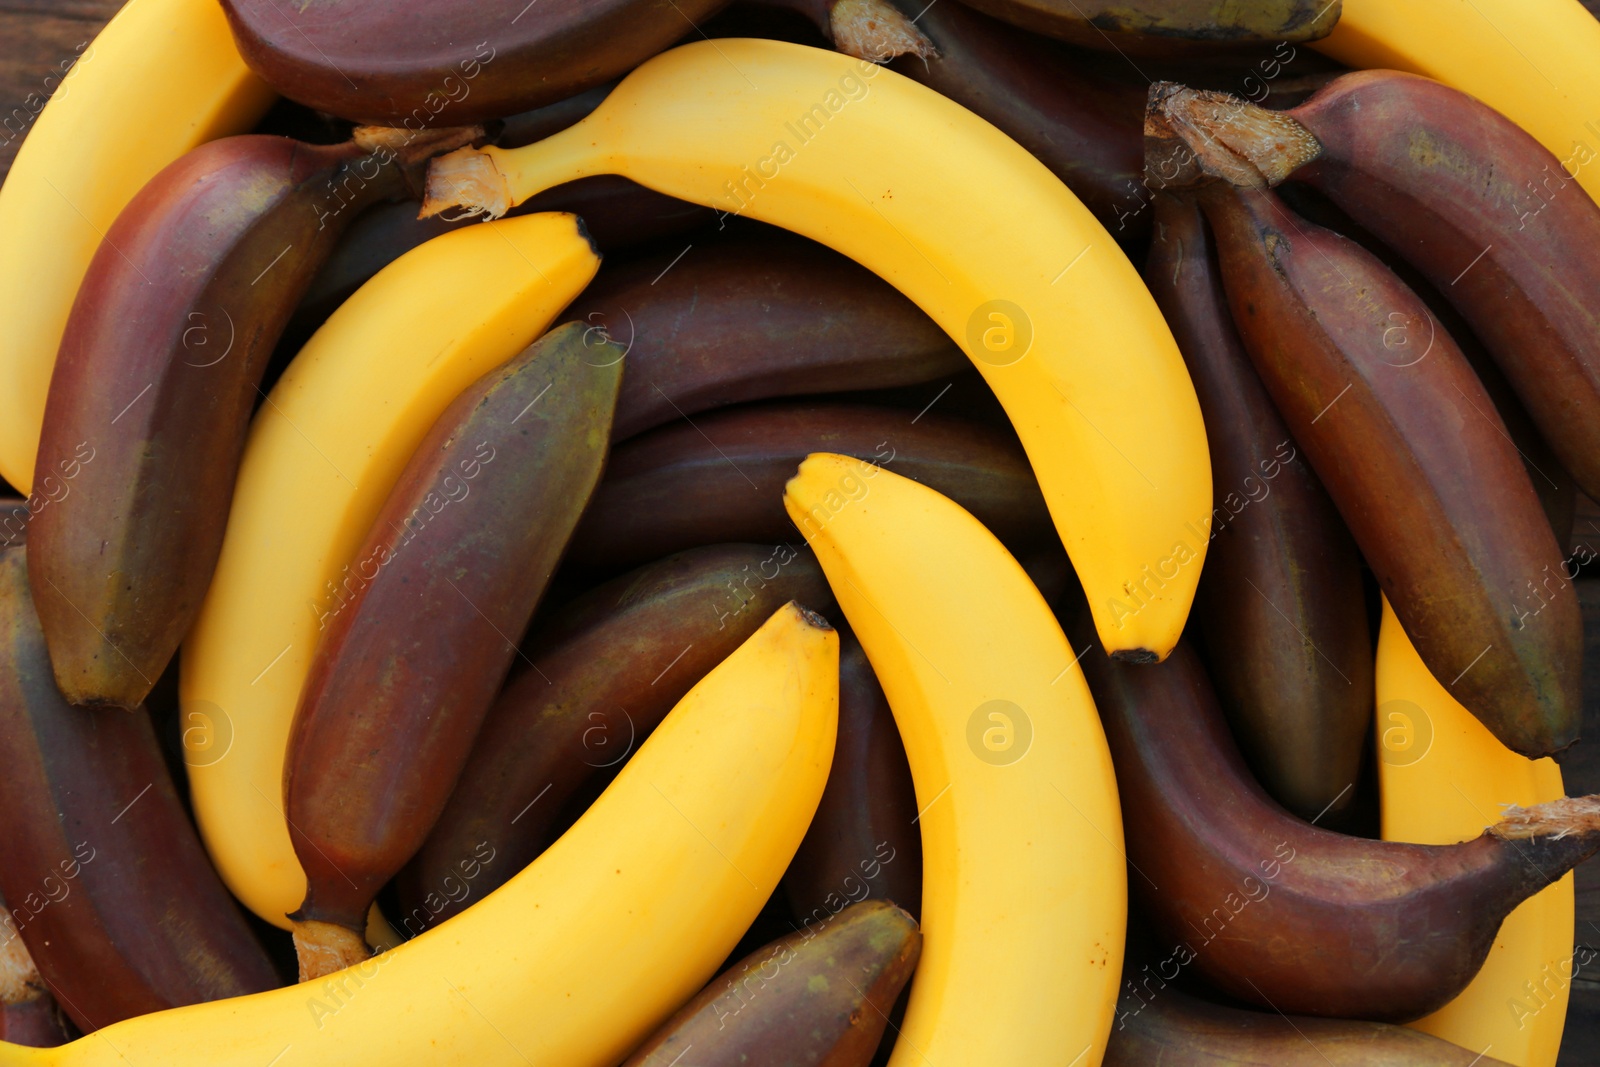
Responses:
[975,231]
[1443,778]
[578,958]
[329,444]
[1531,60]
[160,79]
[1024,900]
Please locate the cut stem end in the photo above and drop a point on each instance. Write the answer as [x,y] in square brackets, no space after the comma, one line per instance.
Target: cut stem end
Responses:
[324,948]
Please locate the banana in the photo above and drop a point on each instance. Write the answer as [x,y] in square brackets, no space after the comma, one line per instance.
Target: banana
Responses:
[1391,416]
[1036,292]
[1442,777]
[455,563]
[584,954]
[108,885]
[694,318]
[863,841]
[818,998]
[234,230]
[1281,613]
[722,476]
[469,62]
[605,670]
[94,146]
[334,435]
[1484,211]
[1024,899]
[1289,916]
[1159,27]
[1175,1030]
[1530,60]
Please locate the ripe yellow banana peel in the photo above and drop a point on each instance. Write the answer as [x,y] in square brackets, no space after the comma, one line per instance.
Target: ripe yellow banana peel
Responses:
[1024,900]
[579,957]
[973,229]
[323,453]
[1443,777]
[160,79]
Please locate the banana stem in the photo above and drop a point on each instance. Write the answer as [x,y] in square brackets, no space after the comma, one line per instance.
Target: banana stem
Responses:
[1193,136]
[492,180]
[877,31]
[323,948]
[1556,819]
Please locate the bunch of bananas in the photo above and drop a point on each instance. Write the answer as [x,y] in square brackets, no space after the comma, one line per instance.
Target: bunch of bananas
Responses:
[526,624]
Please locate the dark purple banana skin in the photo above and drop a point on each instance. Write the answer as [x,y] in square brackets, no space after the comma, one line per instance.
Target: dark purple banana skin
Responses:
[1495,223]
[1156,1024]
[1279,913]
[411,64]
[104,873]
[606,670]
[157,375]
[1171,28]
[722,475]
[453,568]
[1281,612]
[863,841]
[759,315]
[820,997]
[1408,445]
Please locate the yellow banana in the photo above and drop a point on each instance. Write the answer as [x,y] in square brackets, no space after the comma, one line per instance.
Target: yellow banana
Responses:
[1024,900]
[1534,61]
[1443,778]
[322,455]
[581,955]
[161,78]
[974,230]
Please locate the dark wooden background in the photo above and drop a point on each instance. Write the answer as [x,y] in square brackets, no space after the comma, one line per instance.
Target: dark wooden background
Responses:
[36,36]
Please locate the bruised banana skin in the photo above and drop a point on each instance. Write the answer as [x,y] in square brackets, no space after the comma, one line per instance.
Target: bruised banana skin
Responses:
[1116,443]
[608,668]
[406,63]
[408,667]
[1390,415]
[817,998]
[583,955]
[863,840]
[1298,696]
[722,477]
[1490,216]
[1289,916]
[1176,1030]
[754,317]
[109,887]
[157,375]
[1160,27]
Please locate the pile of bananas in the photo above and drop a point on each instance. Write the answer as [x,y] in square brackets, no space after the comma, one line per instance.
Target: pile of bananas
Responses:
[676,661]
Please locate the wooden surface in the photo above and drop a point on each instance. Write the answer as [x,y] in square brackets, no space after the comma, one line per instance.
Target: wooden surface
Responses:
[37,36]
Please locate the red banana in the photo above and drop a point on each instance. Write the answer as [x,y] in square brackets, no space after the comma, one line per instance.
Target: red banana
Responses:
[407,668]
[1288,916]
[158,372]
[104,874]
